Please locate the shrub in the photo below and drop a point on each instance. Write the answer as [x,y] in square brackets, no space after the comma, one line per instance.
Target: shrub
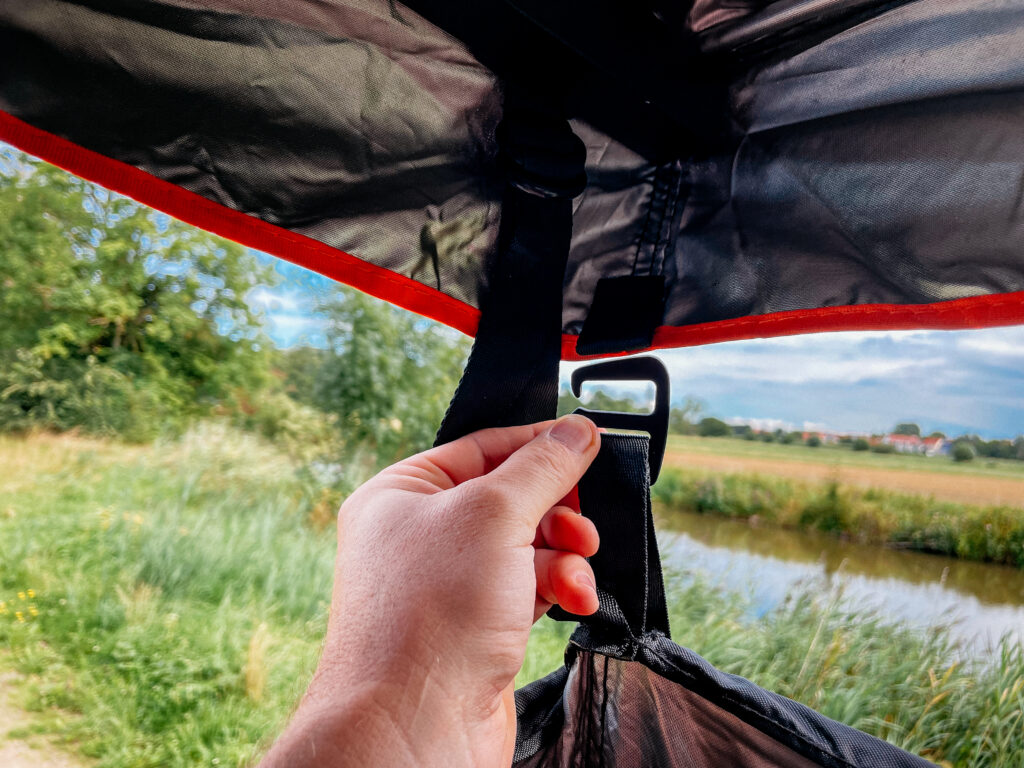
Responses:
[813,441]
[882,448]
[712,427]
[963,452]
[860,444]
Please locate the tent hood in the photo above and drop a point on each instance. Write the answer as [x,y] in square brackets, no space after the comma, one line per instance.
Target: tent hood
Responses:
[774,167]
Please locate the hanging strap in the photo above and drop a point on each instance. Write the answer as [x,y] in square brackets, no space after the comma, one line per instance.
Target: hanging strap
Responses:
[615,495]
[512,374]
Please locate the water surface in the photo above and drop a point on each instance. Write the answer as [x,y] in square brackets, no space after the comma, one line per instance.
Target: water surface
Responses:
[979,602]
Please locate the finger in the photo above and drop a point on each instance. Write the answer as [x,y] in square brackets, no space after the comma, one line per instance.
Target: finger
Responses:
[572,498]
[539,542]
[540,607]
[569,531]
[544,470]
[477,453]
[565,578]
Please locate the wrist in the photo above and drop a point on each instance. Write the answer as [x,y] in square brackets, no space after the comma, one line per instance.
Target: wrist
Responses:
[377,723]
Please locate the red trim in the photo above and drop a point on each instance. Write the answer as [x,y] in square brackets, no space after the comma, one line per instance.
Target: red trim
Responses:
[956,314]
[240,227]
[974,312]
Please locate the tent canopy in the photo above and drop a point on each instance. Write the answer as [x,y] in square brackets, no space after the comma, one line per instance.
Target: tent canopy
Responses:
[766,167]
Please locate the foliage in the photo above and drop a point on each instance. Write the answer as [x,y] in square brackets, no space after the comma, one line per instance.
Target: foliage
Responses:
[114,319]
[387,375]
[963,452]
[712,427]
[682,419]
[995,449]
[860,444]
[882,448]
[907,428]
[986,533]
[813,441]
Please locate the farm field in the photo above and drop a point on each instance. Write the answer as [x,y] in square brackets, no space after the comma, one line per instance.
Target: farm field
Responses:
[981,481]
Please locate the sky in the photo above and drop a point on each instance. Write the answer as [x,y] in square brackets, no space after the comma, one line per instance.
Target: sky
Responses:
[952,381]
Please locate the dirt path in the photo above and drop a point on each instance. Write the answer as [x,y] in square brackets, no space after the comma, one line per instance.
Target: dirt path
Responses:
[26,751]
[952,487]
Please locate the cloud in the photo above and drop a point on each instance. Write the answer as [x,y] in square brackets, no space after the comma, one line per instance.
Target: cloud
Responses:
[955,381]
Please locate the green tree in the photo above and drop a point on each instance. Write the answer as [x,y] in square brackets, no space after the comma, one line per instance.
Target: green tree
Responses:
[712,427]
[814,441]
[602,401]
[963,452]
[389,375]
[567,402]
[682,419]
[860,444]
[113,318]
[907,428]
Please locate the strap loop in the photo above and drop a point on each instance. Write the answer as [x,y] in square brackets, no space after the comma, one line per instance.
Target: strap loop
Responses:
[615,494]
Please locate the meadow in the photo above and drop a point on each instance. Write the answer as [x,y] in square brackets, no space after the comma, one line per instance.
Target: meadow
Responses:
[842,456]
[163,605]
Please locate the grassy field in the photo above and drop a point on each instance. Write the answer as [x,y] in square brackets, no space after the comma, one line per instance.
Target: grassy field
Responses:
[995,483]
[843,456]
[164,606]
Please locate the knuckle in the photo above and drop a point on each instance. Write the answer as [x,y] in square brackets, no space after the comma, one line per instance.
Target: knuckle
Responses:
[491,496]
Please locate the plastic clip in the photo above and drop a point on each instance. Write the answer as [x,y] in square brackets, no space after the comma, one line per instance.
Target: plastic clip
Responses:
[655,423]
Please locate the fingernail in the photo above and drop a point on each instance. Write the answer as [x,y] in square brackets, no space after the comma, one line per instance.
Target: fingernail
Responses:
[586,580]
[574,432]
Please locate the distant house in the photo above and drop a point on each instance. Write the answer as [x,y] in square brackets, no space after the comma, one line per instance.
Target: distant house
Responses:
[905,443]
[935,446]
[929,446]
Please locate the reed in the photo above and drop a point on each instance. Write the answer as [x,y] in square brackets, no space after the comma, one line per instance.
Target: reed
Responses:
[985,533]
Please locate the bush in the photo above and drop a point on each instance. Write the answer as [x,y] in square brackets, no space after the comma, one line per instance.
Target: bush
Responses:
[882,448]
[963,452]
[712,427]
[860,444]
[813,441]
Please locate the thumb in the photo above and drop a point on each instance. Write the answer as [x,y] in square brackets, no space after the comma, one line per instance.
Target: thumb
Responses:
[540,474]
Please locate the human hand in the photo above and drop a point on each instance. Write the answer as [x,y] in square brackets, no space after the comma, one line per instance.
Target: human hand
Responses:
[445,561]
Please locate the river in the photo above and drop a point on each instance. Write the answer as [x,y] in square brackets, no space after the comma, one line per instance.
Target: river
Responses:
[978,602]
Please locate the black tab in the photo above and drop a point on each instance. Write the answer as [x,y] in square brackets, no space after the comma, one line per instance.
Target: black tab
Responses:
[623,315]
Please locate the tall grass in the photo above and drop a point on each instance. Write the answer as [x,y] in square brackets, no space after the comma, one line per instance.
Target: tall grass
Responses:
[984,533]
[173,598]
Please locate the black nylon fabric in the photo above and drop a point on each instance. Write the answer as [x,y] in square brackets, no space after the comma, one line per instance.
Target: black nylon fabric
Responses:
[630,697]
[511,377]
[777,156]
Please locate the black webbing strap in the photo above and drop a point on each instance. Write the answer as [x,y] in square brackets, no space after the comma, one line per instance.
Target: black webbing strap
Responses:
[615,494]
[512,374]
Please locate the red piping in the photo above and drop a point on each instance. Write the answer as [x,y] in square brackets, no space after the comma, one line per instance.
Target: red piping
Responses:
[956,314]
[973,312]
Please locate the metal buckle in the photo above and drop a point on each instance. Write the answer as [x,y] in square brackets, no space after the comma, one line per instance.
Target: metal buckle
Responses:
[655,423]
